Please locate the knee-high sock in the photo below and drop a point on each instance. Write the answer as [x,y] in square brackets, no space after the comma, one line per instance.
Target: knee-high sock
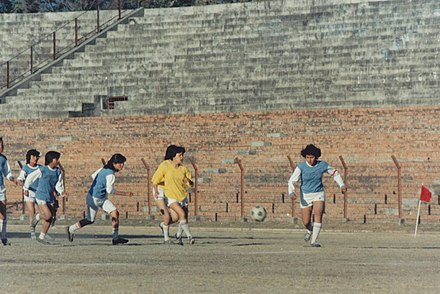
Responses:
[185,228]
[316,230]
[166,232]
[179,230]
[3,227]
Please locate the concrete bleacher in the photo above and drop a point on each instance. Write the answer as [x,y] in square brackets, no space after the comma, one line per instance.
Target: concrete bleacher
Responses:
[253,56]
[18,32]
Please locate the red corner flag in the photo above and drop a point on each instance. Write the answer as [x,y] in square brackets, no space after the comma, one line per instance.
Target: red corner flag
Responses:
[425,194]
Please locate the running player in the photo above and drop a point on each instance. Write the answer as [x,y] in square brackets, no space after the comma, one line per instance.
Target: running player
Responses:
[32,157]
[49,180]
[5,171]
[97,197]
[176,179]
[169,217]
[312,197]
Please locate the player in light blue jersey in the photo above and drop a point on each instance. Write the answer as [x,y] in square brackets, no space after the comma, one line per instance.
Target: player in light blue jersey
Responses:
[49,180]
[97,197]
[312,197]
[32,157]
[5,171]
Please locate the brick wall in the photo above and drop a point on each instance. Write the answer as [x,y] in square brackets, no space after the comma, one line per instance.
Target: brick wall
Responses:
[365,138]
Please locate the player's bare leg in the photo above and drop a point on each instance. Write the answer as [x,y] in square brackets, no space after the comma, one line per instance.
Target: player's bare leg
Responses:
[46,218]
[3,223]
[115,226]
[306,214]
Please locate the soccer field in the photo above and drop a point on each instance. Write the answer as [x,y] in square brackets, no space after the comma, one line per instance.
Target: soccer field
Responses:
[223,260]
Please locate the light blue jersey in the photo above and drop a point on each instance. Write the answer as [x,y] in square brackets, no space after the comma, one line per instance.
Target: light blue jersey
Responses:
[311,176]
[49,181]
[27,170]
[5,170]
[103,180]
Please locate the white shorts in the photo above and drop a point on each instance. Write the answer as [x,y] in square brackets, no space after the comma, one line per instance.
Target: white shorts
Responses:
[161,194]
[30,198]
[183,203]
[94,204]
[42,202]
[2,193]
[308,198]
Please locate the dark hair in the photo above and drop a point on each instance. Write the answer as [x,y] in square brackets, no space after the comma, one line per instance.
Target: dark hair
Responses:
[311,150]
[116,158]
[50,156]
[31,152]
[172,150]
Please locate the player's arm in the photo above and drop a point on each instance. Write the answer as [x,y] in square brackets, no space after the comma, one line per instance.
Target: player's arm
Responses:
[110,182]
[9,175]
[188,178]
[158,179]
[32,177]
[21,177]
[293,179]
[337,178]
[59,187]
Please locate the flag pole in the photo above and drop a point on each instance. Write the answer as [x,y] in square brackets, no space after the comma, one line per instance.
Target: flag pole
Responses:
[417,218]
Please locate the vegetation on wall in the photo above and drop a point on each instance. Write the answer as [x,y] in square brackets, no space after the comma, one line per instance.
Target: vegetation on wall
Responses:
[33,6]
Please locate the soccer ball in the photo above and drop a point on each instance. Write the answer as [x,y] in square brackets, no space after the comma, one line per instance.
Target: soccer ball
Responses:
[258,213]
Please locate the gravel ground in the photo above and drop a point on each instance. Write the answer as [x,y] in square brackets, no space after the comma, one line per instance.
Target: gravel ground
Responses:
[226,258]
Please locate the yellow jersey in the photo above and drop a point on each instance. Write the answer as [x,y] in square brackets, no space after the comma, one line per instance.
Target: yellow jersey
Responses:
[173,178]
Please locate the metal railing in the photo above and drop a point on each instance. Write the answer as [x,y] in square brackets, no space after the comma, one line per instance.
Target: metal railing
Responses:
[51,46]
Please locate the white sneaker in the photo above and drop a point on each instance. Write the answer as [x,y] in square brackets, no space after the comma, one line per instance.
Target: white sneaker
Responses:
[33,236]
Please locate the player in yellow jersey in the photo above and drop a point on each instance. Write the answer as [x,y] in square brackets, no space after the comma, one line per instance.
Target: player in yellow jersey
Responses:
[175,179]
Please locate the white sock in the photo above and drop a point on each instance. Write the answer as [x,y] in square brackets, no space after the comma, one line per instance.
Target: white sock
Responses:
[115,234]
[316,230]
[73,228]
[166,232]
[37,217]
[42,235]
[185,228]
[179,231]
[3,228]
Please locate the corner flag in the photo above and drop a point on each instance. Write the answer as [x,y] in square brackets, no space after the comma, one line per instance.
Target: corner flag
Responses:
[425,194]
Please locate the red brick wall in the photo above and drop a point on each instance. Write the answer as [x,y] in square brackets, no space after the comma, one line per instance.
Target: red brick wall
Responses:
[365,138]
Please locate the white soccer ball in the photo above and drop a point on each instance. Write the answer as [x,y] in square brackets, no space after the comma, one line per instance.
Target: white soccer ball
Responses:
[258,213]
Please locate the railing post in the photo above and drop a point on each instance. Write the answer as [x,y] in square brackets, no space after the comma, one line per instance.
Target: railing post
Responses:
[148,186]
[238,161]
[345,182]
[76,32]
[31,60]
[119,9]
[54,46]
[97,17]
[292,166]
[399,187]
[196,180]
[7,74]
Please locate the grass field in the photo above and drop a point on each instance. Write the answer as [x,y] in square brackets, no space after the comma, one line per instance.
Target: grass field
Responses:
[223,260]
